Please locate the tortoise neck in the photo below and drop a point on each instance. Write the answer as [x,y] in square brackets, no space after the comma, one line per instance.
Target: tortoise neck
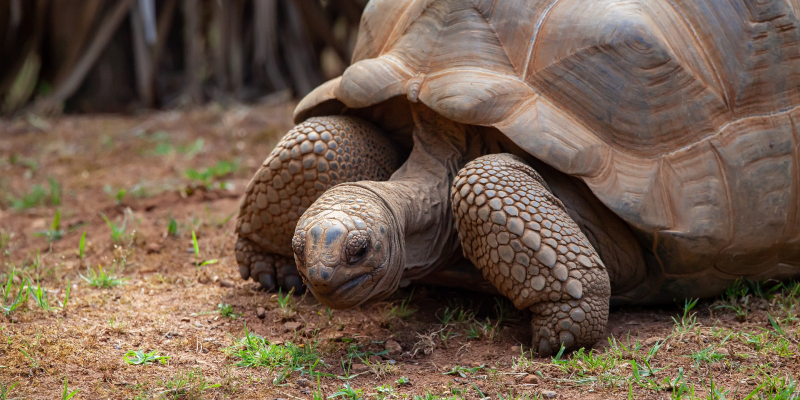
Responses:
[418,194]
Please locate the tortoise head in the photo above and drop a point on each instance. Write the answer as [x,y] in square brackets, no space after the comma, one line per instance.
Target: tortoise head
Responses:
[348,247]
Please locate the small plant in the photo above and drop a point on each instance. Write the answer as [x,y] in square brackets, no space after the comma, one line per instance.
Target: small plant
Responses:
[226,310]
[82,246]
[39,296]
[67,394]
[404,310]
[689,319]
[20,299]
[402,381]
[347,392]
[172,227]
[101,279]
[54,233]
[197,262]
[117,231]
[138,357]
[55,192]
[285,303]
[462,371]
[187,385]
[5,389]
[115,325]
[385,391]
[66,295]
[118,195]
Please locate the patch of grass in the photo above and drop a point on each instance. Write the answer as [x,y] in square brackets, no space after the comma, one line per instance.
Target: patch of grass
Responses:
[117,231]
[463,371]
[139,357]
[68,394]
[707,355]
[347,392]
[165,148]
[210,176]
[455,315]
[187,385]
[253,351]
[404,310]
[226,310]
[101,279]
[37,196]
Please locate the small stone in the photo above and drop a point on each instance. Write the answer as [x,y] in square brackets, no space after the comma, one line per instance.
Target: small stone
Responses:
[549,394]
[653,340]
[359,368]
[261,312]
[374,359]
[153,248]
[303,382]
[292,326]
[226,283]
[723,351]
[530,379]
[393,348]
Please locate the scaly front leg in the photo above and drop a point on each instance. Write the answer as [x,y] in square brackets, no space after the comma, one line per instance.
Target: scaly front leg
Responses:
[521,237]
[314,156]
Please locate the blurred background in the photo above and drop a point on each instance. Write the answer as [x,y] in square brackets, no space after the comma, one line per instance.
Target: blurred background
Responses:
[79,56]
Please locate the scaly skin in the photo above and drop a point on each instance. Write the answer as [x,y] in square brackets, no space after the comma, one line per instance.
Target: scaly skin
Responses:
[313,157]
[522,239]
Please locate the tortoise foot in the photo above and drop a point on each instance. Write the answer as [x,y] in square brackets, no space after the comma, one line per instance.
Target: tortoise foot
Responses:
[526,244]
[272,271]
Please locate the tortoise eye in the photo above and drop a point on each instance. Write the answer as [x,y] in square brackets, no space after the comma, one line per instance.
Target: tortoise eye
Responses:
[357,246]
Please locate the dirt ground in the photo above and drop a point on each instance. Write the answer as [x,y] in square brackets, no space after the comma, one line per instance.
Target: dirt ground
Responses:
[172,175]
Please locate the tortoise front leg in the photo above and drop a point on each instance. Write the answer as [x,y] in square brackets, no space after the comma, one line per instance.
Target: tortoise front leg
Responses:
[522,239]
[313,157]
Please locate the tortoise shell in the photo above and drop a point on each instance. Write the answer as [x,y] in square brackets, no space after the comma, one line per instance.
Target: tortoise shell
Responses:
[681,116]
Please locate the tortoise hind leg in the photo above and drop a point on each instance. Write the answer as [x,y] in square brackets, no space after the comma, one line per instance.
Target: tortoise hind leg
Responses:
[522,239]
[313,157]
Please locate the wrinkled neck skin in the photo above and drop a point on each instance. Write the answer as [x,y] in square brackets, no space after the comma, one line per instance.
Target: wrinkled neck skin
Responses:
[418,194]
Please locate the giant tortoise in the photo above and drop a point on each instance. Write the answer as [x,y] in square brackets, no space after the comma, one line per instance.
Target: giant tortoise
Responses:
[578,153]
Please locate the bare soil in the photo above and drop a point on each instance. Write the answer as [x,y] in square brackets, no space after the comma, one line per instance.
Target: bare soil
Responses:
[170,304]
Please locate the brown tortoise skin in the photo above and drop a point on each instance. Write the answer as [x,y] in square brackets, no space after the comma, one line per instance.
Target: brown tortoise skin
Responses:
[522,239]
[313,157]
